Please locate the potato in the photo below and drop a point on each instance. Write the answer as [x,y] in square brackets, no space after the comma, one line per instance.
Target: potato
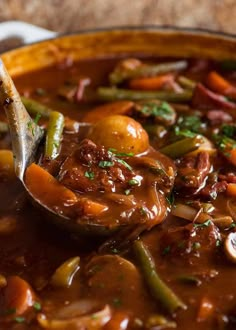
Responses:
[121,133]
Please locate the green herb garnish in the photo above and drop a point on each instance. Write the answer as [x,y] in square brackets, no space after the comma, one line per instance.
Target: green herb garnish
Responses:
[19,319]
[105,163]
[191,123]
[204,224]
[158,110]
[89,174]
[133,182]
[166,250]
[121,161]
[37,306]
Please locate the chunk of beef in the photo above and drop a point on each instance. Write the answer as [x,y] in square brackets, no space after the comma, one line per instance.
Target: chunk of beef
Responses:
[192,172]
[210,191]
[190,242]
[93,168]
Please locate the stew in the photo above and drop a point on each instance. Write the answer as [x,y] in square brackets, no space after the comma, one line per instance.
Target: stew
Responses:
[144,150]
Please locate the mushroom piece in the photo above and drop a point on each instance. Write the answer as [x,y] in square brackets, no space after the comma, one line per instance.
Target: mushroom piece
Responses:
[230,247]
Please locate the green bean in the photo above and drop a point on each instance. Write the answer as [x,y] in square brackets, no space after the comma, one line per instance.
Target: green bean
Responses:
[182,147]
[113,94]
[186,82]
[3,127]
[35,107]
[119,75]
[157,287]
[54,134]
[64,274]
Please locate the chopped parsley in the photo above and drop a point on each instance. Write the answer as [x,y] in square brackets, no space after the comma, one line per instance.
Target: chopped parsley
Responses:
[121,154]
[127,192]
[133,182]
[89,174]
[204,224]
[184,132]
[36,119]
[121,161]
[166,250]
[114,251]
[105,163]
[19,319]
[143,211]
[196,245]
[30,127]
[163,110]
[233,225]
[190,123]
[170,198]
[37,306]
[218,243]
[229,130]
[30,123]
[224,143]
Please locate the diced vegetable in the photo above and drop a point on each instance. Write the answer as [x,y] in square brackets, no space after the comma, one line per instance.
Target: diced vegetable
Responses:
[54,134]
[157,287]
[145,70]
[45,188]
[182,147]
[220,85]
[64,274]
[186,82]
[35,107]
[18,295]
[151,83]
[114,108]
[184,211]
[114,94]
[231,189]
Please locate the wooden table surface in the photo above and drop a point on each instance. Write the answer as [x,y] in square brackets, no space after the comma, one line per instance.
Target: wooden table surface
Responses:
[72,15]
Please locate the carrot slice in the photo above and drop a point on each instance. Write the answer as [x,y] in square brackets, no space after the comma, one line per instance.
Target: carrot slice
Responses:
[219,84]
[114,108]
[151,83]
[92,208]
[231,189]
[18,295]
[45,188]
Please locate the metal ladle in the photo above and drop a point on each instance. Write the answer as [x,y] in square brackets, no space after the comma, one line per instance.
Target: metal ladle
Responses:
[26,136]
